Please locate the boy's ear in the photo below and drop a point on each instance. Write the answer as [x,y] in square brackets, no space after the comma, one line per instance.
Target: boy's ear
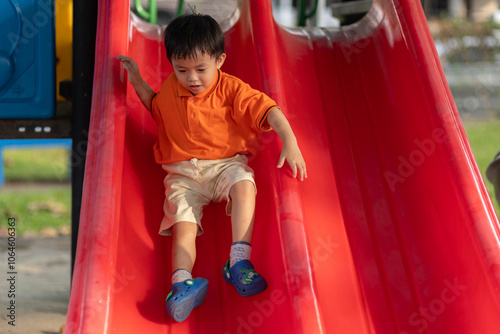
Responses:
[221,60]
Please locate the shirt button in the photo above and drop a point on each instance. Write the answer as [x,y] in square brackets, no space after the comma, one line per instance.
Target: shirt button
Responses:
[191,100]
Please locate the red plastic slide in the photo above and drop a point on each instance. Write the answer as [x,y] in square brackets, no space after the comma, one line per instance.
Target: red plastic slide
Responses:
[393,231]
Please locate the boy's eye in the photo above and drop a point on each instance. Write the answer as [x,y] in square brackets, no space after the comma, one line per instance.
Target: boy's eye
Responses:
[202,70]
[182,71]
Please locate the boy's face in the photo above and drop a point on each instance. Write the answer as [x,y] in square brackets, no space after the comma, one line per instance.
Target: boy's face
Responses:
[197,74]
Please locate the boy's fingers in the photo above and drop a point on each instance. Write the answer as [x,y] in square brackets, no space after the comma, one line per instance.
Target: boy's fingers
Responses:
[294,169]
[125,61]
[302,173]
[281,161]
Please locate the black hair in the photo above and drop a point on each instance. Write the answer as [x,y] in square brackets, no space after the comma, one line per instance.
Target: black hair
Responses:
[189,34]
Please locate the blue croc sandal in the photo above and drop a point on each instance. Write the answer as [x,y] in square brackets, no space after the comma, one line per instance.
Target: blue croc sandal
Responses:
[184,296]
[244,278]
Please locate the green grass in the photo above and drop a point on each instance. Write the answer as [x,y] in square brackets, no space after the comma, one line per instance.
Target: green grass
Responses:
[484,138]
[43,164]
[36,208]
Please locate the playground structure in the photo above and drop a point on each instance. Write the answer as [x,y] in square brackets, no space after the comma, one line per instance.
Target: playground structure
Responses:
[393,232]
[35,56]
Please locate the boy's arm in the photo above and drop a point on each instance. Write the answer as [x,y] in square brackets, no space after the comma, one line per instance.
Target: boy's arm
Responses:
[134,77]
[290,152]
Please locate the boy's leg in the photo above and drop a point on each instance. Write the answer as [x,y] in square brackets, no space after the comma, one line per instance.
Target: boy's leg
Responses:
[243,210]
[184,245]
[186,293]
[239,271]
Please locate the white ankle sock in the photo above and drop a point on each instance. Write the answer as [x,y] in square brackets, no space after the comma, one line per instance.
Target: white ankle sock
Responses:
[180,275]
[240,250]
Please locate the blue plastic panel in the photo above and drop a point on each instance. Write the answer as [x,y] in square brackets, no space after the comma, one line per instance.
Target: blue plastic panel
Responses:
[27,59]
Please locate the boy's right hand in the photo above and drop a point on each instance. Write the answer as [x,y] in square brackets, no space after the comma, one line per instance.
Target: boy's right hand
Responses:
[134,76]
[144,92]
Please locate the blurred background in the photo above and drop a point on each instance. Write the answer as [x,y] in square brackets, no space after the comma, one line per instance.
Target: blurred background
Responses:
[42,144]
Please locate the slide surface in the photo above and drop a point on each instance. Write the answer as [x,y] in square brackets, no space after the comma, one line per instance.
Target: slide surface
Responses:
[393,231]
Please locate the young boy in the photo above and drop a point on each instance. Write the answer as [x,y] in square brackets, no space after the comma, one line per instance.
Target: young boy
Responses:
[206,122]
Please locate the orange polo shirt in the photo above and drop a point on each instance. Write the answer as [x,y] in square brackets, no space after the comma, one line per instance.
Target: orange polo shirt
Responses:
[220,122]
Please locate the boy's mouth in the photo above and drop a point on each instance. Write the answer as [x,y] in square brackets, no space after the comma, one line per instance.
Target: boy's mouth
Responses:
[195,88]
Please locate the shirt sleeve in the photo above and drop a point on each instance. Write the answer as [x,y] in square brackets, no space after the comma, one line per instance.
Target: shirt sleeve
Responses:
[150,104]
[252,106]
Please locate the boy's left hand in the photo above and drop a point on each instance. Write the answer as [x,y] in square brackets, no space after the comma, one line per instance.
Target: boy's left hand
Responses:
[291,154]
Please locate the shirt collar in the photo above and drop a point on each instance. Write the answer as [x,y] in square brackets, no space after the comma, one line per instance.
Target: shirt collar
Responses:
[181,91]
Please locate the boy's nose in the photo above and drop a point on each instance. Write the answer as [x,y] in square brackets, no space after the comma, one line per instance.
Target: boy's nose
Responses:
[192,77]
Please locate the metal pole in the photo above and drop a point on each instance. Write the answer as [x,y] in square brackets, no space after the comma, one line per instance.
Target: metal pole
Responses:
[84,36]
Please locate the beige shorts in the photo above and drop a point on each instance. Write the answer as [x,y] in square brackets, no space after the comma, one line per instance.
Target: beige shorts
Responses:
[190,185]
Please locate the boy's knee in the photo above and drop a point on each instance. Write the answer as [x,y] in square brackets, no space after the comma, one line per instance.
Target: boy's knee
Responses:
[185,229]
[244,188]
